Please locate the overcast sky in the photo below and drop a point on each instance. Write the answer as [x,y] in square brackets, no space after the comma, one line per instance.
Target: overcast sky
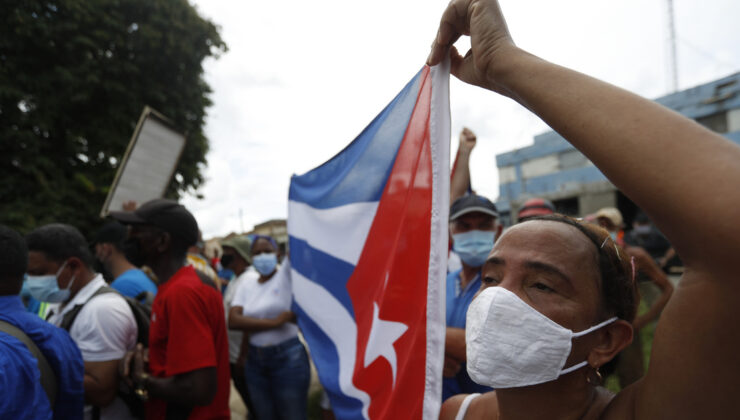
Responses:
[302,79]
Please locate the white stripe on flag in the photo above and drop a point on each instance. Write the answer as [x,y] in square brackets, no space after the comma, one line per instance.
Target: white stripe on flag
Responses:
[334,320]
[439,133]
[339,231]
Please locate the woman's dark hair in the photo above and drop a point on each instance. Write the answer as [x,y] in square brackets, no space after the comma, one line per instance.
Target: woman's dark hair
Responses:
[267,238]
[618,289]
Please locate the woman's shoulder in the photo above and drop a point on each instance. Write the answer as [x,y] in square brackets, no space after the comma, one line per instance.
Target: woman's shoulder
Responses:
[480,406]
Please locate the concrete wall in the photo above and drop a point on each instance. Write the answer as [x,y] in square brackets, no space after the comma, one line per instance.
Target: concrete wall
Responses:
[591,202]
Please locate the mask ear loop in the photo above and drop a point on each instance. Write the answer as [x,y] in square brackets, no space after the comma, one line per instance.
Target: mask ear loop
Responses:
[582,333]
[61,268]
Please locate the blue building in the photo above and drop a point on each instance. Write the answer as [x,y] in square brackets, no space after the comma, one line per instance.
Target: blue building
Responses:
[551,168]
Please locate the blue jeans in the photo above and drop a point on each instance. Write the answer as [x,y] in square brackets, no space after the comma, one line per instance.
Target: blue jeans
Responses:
[277,380]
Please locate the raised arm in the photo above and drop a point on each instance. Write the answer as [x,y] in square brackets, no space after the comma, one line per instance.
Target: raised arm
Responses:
[460,179]
[683,175]
[663,161]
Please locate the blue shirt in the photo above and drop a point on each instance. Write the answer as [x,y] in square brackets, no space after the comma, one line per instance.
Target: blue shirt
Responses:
[132,282]
[60,351]
[23,397]
[458,300]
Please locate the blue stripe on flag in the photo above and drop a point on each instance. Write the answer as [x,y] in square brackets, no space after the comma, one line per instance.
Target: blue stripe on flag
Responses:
[326,359]
[359,172]
[323,269]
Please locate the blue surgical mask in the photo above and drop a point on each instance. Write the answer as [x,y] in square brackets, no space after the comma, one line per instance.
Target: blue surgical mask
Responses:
[25,294]
[613,236]
[265,263]
[474,246]
[46,289]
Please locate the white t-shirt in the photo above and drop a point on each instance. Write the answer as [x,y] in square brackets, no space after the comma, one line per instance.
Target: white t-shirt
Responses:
[267,300]
[105,328]
[453,262]
[235,336]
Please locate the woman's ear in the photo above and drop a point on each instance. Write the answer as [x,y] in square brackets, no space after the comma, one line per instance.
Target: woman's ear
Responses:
[613,339]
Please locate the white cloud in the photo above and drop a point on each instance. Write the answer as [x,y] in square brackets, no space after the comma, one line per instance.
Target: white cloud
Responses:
[302,79]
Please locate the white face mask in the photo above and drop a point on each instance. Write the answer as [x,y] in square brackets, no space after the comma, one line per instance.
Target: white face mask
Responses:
[510,344]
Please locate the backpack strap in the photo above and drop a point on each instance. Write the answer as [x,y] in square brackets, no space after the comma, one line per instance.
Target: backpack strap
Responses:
[48,378]
[69,317]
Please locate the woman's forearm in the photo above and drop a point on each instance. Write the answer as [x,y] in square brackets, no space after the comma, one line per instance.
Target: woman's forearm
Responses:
[660,159]
[247,324]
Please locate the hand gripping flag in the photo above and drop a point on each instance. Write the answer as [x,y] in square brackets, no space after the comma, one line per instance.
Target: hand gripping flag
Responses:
[368,251]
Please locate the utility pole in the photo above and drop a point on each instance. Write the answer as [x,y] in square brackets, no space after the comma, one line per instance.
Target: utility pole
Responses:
[673,66]
[241,220]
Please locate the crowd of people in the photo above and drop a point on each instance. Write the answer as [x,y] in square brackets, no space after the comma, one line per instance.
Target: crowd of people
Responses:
[536,314]
[162,334]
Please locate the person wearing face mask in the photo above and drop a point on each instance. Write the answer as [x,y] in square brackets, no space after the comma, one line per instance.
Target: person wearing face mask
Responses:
[236,257]
[559,292]
[128,280]
[277,368]
[104,327]
[474,227]
[42,309]
[27,389]
[460,184]
[185,373]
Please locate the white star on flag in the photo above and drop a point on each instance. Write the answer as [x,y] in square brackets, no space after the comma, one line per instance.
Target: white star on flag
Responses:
[382,336]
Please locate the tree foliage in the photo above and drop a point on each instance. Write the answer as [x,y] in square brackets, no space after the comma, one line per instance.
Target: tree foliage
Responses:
[74,78]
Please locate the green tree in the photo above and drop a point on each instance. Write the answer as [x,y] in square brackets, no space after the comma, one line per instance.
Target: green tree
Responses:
[74,78]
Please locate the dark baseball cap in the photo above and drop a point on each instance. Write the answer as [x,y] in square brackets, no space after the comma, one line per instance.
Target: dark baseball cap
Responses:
[165,214]
[472,203]
[112,232]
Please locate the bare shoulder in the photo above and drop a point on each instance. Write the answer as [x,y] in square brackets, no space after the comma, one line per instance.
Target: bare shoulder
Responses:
[451,406]
[484,406]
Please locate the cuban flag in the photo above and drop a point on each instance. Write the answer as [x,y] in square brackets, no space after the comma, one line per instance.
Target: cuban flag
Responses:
[368,251]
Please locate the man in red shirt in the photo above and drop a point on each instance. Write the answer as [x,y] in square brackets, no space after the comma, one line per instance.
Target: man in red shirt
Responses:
[188,355]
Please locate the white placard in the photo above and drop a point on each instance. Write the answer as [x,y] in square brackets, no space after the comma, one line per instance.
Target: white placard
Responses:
[149,163]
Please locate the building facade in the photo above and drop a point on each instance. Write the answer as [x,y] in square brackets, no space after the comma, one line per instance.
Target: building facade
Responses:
[553,169]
